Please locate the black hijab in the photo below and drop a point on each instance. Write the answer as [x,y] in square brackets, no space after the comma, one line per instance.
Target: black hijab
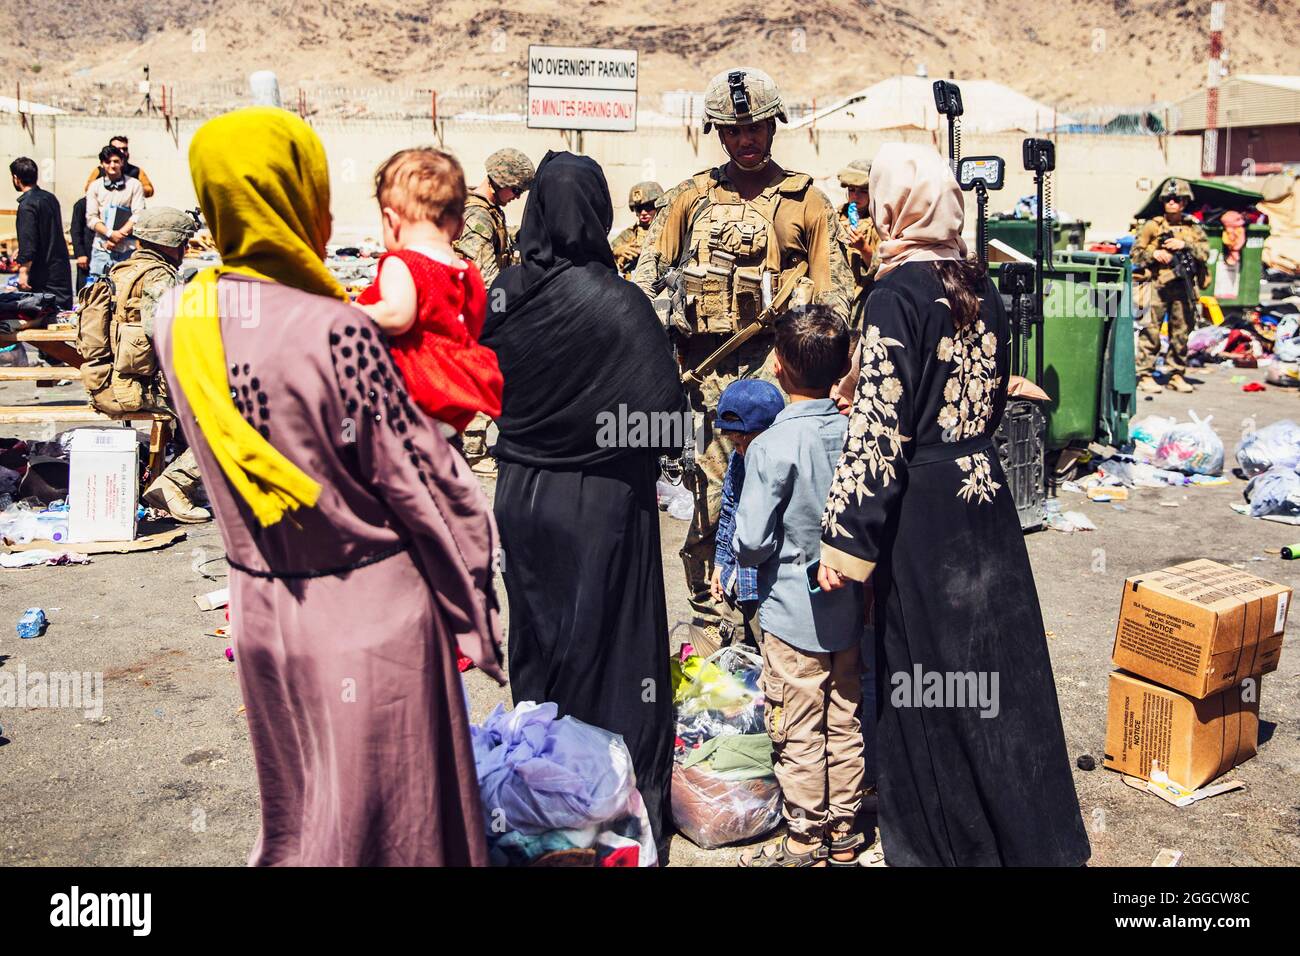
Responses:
[573,339]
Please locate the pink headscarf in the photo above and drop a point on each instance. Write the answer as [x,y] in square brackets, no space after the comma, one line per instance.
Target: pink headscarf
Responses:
[916,205]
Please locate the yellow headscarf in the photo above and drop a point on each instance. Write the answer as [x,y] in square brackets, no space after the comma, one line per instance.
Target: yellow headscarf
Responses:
[263,185]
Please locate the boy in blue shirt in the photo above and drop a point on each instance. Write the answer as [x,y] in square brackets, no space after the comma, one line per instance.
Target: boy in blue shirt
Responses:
[811,638]
[746,409]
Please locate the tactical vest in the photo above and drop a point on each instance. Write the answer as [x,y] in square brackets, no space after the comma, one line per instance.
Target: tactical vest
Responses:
[120,367]
[500,238]
[729,244]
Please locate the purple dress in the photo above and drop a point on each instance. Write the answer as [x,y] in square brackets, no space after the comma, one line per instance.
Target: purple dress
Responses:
[346,615]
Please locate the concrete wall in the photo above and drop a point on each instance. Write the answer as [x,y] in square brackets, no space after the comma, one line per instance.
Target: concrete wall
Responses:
[1102,179]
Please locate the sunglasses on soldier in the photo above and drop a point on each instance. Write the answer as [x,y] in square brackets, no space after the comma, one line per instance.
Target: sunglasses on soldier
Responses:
[643,207]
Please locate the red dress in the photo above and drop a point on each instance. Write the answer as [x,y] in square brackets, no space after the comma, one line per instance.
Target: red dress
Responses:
[448,373]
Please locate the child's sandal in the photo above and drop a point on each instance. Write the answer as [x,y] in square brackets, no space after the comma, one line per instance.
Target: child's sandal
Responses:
[849,843]
[780,854]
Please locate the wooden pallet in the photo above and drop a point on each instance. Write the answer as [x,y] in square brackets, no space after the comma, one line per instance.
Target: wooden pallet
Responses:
[40,373]
[55,341]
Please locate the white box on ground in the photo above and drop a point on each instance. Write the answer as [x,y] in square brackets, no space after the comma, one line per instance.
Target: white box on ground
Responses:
[103,484]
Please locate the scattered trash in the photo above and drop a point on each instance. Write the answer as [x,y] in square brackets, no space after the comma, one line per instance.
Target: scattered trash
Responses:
[1291,552]
[1253,387]
[1168,504]
[1069,522]
[230,653]
[1275,444]
[213,599]
[1102,493]
[32,623]
[1179,796]
[1086,762]
[675,499]
[1191,447]
[36,556]
[1276,491]
[1167,857]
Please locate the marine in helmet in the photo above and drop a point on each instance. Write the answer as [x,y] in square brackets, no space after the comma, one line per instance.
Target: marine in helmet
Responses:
[857,234]
[1174,250]
[486,241]
[115,339]
[641,200]
[722,240]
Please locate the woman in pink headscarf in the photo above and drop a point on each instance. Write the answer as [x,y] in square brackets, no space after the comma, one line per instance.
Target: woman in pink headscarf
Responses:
[972,765]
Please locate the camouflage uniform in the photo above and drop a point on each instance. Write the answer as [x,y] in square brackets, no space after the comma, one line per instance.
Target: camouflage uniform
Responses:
[1168,293]
[486,241]
[856,174]
[799,225]
[628,243]
[115,335]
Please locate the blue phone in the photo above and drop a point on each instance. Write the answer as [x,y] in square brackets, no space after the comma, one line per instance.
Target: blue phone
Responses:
[812,569]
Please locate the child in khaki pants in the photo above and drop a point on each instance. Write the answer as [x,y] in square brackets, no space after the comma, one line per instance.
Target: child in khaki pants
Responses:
[811,639]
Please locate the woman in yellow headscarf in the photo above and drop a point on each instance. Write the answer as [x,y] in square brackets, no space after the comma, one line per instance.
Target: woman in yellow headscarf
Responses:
[358,540]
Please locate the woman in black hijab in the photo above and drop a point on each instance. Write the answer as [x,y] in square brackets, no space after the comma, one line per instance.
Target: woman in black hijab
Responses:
[584,355]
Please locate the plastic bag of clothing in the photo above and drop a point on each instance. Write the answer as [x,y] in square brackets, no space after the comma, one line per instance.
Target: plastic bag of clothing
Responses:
[1274,492]
[1275,445]
[1191,447]
[1150,430]
[558,792]
[1283,374]
[1205,339]
[1287,350]
[712,810]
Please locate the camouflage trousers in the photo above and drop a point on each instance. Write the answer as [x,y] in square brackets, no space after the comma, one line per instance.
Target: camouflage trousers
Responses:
[1181,316]
[474,438]
[713,450]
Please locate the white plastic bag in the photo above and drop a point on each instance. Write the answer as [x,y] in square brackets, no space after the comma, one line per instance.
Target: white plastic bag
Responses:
[1150,430]
[1274,492]
[1191,447]
[1273,445]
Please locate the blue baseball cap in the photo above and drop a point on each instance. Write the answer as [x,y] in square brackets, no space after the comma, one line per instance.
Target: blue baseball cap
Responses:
[749,405]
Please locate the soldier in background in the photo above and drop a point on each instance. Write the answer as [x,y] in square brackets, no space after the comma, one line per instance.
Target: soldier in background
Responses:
[715,238]
[115,339]
[858,241]
[1159,244]
[627,244]
[486,241]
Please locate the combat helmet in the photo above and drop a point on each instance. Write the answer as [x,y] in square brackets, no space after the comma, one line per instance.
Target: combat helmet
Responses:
[856,173]
[164,226]
[644,193]
[1177,187]
[508,168]
[739,97]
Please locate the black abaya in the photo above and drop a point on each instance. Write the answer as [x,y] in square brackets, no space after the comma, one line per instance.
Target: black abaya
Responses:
[578,516]
[920,503]
[584,578]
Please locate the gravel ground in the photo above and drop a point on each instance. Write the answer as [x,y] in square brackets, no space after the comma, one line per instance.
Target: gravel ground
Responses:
[164,776]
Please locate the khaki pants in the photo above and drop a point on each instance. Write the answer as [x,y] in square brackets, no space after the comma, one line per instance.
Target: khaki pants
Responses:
[475,438]
[812,718]
[1181,315]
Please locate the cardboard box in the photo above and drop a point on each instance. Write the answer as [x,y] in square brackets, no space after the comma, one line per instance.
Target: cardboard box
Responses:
[1193,741]
[103,484]
[1200,627]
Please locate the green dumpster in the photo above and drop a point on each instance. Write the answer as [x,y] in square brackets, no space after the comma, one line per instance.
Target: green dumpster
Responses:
[1019,233]
[1236,287]
[1088,367]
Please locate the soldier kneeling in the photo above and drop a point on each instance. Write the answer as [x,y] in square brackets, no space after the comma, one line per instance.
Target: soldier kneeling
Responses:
[115,339]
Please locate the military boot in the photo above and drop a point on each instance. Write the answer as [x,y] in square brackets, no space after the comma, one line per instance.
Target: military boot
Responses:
[1180,384]
[1149,384]
[173,491]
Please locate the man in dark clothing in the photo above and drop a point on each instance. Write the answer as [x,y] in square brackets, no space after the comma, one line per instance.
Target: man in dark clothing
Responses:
[82,240]
[42,252]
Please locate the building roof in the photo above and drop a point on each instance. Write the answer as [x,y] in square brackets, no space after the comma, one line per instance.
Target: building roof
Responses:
[1248,99]
[908,102]
[10,105]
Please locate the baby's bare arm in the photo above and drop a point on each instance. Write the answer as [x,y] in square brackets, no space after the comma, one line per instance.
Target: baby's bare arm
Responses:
[396,309]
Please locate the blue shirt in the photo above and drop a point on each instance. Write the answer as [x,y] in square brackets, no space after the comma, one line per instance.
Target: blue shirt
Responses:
[737,580]
[788,474]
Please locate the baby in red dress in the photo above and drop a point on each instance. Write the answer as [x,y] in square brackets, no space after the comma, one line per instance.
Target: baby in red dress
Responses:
[429,301]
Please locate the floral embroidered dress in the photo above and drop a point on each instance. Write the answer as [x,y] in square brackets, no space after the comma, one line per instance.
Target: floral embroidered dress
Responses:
[973,768]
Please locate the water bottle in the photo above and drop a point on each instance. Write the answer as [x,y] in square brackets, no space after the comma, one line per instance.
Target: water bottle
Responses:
[32,623]
[53,526]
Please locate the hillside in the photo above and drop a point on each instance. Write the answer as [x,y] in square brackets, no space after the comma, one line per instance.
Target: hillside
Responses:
[384,56]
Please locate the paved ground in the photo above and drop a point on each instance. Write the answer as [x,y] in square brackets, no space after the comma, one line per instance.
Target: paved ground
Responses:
[165,776]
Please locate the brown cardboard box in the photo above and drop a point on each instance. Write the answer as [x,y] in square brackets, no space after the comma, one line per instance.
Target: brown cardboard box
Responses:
[1200,627]
[1193,741]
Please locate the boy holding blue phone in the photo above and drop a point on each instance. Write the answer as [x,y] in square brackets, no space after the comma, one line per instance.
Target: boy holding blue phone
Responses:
[811,638]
